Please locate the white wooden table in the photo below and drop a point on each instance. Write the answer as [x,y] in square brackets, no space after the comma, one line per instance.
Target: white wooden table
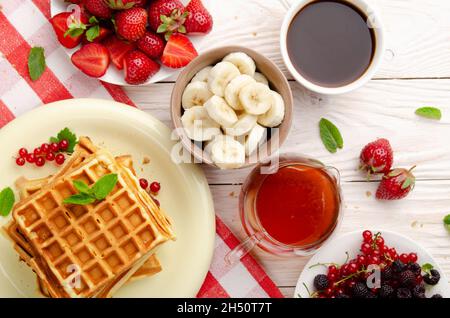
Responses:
[415,72]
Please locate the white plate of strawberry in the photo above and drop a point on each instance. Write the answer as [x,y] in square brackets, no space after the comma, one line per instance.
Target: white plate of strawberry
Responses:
[130,42]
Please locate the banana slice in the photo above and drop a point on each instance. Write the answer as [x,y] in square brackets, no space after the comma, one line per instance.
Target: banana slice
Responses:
[256,137]
[256,98]
[232,90]
[227,153]
[261,78]
[202,75]
[220,76]
[275,115]
[243,62]
[244,124]
[195,94]
[198,125]
[219,111]
[209,143]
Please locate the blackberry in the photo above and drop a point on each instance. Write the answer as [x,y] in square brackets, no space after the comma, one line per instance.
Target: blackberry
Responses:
[398,266]
[370,295]
[321,282]
[342,296]
[415,268]
[407,279]
[403,293]
[387,274]
[418,291]
[360,290]
[432,279]
[436,296]
[387,291]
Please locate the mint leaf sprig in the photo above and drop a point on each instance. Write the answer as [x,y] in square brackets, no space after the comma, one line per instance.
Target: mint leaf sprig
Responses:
[7,201]
[447,222]
[427,267]
[330,135]
[429,112]
[98,192]
[66,134]
[36,63]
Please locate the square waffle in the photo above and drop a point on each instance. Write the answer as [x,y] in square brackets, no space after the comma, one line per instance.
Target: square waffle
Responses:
[82,249]
[28,187]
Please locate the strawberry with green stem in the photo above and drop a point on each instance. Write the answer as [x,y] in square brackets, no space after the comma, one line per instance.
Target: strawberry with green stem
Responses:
[396,184]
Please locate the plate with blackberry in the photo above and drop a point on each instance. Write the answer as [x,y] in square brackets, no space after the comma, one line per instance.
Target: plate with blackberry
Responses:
[372,264]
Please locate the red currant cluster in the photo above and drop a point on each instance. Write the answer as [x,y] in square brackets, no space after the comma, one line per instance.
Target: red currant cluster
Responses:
[153,188]
[46,152]
[400,274]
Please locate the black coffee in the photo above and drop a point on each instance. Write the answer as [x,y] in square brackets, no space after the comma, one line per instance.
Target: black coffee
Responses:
[330,44]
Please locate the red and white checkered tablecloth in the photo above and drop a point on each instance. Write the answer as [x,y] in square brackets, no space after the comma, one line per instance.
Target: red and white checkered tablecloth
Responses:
[24,24]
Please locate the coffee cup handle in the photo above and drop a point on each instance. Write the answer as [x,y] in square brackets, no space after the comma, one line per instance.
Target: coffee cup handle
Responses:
[235,255]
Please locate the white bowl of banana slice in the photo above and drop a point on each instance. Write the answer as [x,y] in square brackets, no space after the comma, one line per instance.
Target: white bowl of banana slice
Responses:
[231,107]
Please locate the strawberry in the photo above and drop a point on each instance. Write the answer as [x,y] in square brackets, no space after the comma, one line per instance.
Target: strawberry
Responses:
[118,49]
[69,36]
[199,20]
[396,184]
[139,67]
[377,157]
[179,51]
[92,59]
[102,34]
[151,44]
[169,10]
[99,8]
[131,23]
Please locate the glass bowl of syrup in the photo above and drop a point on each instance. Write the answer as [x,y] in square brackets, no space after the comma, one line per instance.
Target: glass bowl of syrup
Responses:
[289,207]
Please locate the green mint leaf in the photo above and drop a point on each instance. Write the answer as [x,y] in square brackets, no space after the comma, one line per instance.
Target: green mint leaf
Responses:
[68,135]
[81,187]
[6,201]
[36,63]
[427,267]
[429,112]
[447,222]
[104,186]
[93,20]
[92,33]
[330,135]
[79,199]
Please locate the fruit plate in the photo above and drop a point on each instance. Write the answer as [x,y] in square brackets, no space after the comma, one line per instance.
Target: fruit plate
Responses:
[113,75]
[184,195]
[335,251]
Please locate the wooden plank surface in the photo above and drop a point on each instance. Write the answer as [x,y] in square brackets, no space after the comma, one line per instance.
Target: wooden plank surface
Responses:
[415,72]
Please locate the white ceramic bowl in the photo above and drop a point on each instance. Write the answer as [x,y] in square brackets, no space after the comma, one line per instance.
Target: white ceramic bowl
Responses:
[375,23]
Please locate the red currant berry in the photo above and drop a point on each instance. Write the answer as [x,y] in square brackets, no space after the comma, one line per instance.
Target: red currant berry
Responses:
[332,277]
[404,258]
[40,161]
[143,183]
[412,257]
[45,148]
[374,260]
[30,158]
[350,283]
[366,248]
[23,152]
[384,249]
[361,260]
[37,152]
[50,156]
[59,159]
[379,241]
[155,187]
[63,144]
[54,147]
[352,268]
[329,291]
[332,269]
[376,253]
[157,202]
[367,236]
[339,291]
[20,161]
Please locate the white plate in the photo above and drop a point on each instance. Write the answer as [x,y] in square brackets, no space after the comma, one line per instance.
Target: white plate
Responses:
[113,75]
[185,194]
[335,250]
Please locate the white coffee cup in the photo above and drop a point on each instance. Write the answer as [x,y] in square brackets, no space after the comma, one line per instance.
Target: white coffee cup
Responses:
[378,30]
